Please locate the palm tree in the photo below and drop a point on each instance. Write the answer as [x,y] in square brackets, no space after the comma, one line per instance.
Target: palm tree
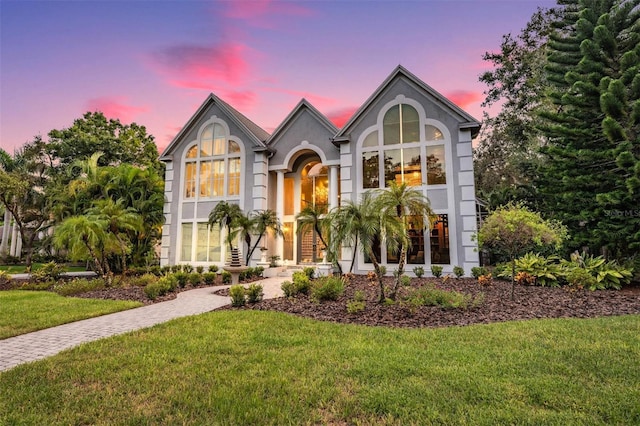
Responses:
[364,222]
[310,218]
[118,220]
[224,214]
[263,221]
[403,202]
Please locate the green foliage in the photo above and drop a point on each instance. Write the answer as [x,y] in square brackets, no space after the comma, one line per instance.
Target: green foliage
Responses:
[4,277]
[607,274]
[194,278]
[213,268]
[581,278]
[78,286]
[418,271]
[432,296]
[237,294]
[478,271]
[383,270]
[187,268]
[436,271]
[273,260]
[458,271]
[289,288]
[405,281]
[182,278]
[226,277]
[209,277]
[254,293]
[327,288]
[48,271]
[161,287]
[359,296]
[200,269]
[309,271]
[144,280]
[355,306]
[302,282]
[545,270]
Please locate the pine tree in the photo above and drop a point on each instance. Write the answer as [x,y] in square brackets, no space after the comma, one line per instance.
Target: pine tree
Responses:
[587,176]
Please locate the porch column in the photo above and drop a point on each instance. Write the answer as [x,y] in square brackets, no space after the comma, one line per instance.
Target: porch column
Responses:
[5,232]
[333,187]
[280,209]
[14,240]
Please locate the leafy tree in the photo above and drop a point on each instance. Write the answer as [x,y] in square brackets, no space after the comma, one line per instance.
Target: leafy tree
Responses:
[312,218]
[263,221]
[590,174]
[403,202]
[224,215]
[514,230]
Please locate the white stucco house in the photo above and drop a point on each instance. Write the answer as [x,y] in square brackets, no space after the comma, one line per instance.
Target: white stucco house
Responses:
[405,131]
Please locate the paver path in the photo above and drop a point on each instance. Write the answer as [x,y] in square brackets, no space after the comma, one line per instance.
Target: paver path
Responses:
[43,343]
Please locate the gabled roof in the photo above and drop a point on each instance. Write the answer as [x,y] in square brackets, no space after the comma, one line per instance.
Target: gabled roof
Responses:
[468,121]
[256,133]
[303,104]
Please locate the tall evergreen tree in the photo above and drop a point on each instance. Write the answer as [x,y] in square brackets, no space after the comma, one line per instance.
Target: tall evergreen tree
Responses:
[587,176]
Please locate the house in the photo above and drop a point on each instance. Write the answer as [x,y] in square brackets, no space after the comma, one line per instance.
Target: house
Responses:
[406,131]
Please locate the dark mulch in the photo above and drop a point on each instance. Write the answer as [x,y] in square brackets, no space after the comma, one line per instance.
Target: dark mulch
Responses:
[530,302]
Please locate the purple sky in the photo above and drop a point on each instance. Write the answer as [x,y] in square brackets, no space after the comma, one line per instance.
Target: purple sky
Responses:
[154,62]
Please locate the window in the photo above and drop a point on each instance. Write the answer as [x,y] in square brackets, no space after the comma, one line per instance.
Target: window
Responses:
[206,240]
[440,241]
[213,165]
[436,174]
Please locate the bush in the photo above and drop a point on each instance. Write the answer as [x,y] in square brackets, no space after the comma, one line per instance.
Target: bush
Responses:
[383,270]
[581,278]
[237,294]
[485,279]
[254,293]
[200,269]
[143,280]
[48,271]
[546,271]
[359,296]
[161,287]
[259,270]
[431,296]
[355,306]
[209,277]
[524,278]
[182,278]
[165,270]
[302,282]
[478,271]
[78,286]
[608,274]
[4,277]
[213,268]
[309,271]
[289,289]
[458,271]
[418,271]
[436,271]
[405,280]
[194,279]
[226,277]
[327,288]
[273,261]
[176,268]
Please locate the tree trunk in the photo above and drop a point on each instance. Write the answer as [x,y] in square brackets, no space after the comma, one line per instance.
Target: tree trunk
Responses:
[376,266]
[353,258]
[401,263]
[513,277]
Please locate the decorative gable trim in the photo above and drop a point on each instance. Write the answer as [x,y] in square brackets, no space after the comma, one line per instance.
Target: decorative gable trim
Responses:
[302,105]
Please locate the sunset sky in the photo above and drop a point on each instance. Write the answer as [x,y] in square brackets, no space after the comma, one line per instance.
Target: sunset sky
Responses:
[155,62]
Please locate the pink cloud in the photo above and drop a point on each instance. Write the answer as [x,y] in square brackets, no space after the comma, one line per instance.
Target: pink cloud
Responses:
[115,107]
[260,13]
[199,66]
[464,98]
[341,116]
[240,99]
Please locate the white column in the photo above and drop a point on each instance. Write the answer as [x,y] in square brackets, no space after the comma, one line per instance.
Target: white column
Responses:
[280,209]
[14,239]
[333,187]
[5,232]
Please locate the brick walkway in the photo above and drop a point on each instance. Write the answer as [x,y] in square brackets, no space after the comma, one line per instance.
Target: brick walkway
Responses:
[40,344]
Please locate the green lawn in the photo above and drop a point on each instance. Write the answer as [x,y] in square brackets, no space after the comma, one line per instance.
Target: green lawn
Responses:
[251,367]
[25,311]
[19,269]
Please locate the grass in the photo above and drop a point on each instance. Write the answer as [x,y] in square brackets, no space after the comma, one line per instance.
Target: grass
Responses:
[251,367]
[27,311]
[19,269]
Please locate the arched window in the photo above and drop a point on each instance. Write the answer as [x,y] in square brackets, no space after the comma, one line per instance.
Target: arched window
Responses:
[212,165]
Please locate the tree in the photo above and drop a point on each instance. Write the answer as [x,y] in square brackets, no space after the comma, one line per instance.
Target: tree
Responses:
[263,221]
[514,230]
[590,174]
[311,218]
[403,202]
[224,215]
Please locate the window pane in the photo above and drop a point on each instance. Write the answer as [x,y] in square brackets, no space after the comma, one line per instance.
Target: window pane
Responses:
[190,180]
[202,239]
[432,133]
[193,152]
[215,250]
[288,196]
[218,178]
[412,171]
[206,141]
[410,124]
[391,126]
[206,179]
[219,140]
[371,139]
[415,254]
[234,176]
[440,241]
[436,173]
[233,147]
[370,170]
[185,246]
[392,166]
[287,230]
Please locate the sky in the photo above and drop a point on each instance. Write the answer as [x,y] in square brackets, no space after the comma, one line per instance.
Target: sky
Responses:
[154,62]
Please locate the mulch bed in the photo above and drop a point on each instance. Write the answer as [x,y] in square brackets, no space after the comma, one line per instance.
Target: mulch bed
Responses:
[530,302]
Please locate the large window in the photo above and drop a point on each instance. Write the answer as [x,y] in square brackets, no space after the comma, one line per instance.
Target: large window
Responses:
[440,241]
[399,155]
[213,165]
[200,242]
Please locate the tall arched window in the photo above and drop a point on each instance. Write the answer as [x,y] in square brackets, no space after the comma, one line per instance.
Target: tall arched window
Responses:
[212,165]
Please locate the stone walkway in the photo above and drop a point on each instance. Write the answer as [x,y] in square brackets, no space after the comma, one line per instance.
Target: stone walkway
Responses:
[43,343]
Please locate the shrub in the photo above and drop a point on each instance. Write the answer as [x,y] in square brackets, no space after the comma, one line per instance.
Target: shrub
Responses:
[237,294]
[405,280]
[524,278]
[259,270]
[78,285]
[355,306]
[302,282]
[327,288]
[418,271]
[187,268]
[213,268]
[4,277]
[199,269]
[545,271]
[273,261]
[289,289]
[478,271]
[383,270]
[485,279]
[436,271]
[359,296]
[176,268]
[581,278]
[309,271]
[143,280]
[48,271]
[226,277]
[194,278]
[161,287]
[209,277]
[181,277]
[254,293]
[458,271]
[431,296]
[608,274]
[165,270]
